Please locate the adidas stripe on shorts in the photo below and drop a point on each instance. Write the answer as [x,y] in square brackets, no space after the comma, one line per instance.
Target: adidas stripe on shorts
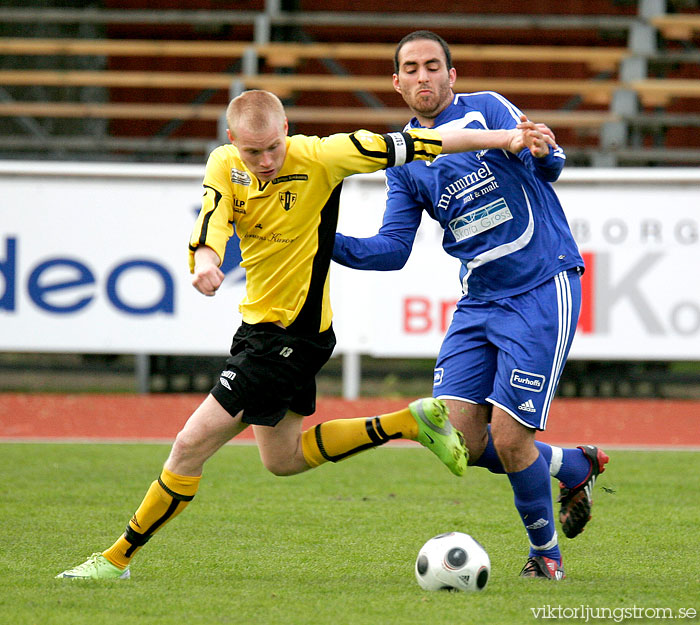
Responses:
[511,352]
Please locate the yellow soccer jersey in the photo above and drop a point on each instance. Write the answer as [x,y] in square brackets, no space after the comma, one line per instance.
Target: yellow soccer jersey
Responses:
[287,225]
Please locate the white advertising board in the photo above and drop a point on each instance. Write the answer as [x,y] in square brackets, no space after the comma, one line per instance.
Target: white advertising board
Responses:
[93,258]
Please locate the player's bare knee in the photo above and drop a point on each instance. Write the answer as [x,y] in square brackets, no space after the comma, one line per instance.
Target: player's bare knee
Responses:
[281,467]
[184,442]
[509,448]
[188,448]
[471,420]
[283,461]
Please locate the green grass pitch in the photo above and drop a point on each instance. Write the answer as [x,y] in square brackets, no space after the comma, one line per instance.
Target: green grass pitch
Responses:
[334,546]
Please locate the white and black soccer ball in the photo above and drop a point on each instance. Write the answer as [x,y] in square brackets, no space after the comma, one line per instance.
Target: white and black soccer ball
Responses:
[452,561]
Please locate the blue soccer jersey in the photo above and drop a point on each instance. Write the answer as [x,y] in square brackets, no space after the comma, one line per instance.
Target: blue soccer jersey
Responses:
[499,213]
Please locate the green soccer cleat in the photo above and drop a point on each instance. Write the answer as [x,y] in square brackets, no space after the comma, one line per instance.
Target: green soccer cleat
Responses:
[96,567]
[437,434]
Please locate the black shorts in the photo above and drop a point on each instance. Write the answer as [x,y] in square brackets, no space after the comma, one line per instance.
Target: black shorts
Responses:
[271,371]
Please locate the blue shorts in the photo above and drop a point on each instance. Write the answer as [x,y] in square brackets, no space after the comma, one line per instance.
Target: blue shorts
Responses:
[511,352]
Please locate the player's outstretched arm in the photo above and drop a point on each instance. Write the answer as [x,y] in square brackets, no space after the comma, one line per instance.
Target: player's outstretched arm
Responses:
[526,134]
[207,275]
[472,140]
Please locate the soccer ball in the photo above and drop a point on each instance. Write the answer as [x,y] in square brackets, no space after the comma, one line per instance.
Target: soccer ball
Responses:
[452,561]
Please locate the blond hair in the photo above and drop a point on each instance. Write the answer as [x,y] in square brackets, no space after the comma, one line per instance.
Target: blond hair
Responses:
[257,109]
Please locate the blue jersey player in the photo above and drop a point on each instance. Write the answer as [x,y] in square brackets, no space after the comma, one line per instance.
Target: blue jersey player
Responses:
[502,357]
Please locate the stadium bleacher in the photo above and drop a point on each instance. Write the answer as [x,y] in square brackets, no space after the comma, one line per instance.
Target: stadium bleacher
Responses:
[618,81]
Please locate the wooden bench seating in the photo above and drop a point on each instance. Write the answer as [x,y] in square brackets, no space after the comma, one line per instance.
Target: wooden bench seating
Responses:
[284,84]
[659,92]
[682,26]
[406,21]
[289,54]
[353,117]
[652,91]
[260,60]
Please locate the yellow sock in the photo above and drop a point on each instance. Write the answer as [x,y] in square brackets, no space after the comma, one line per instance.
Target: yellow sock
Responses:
[165,499]
[335,440]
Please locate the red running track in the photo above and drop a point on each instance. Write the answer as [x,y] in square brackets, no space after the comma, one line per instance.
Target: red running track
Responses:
[607,422]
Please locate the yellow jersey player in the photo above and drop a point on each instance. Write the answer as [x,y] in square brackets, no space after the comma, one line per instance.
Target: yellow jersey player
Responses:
[281,194]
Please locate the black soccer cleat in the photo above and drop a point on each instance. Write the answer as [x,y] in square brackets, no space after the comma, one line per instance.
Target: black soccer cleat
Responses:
[541,566]
[576,502]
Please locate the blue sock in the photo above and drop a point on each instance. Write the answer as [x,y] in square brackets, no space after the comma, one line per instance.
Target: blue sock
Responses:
[533,499]
[546,451]
[490,460]
[570,466]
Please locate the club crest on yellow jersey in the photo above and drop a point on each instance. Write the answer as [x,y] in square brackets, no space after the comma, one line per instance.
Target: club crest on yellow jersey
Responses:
[288,199]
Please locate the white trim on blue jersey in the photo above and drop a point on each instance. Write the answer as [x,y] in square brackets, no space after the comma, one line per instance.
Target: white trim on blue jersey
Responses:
[512,109]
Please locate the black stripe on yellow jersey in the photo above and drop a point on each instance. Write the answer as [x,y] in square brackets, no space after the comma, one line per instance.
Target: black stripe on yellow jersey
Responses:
[309,318]
[287,225]
[207,217]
